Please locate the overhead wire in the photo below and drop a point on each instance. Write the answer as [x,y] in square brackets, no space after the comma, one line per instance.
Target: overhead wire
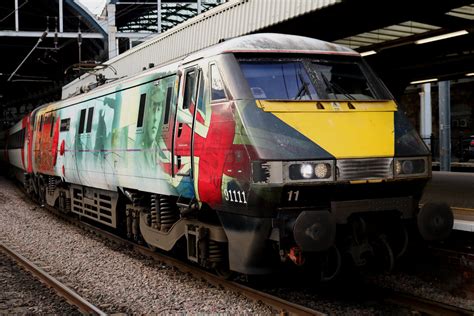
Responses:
[19,7]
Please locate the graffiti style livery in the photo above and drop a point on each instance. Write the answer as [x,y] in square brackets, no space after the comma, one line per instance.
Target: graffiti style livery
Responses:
[261,149]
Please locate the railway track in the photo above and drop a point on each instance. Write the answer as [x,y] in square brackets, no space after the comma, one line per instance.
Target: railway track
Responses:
[280,305]
[426,306]
[62,290]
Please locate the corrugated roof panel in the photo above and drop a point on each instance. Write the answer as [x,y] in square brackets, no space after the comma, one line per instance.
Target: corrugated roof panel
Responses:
[367,39]
[465,12]
[418,25]
[406,29]
[386,34]
[350,41]
[378,36]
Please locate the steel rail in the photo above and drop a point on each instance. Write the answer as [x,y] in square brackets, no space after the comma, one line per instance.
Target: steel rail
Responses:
[62,290]
[427,306]
[282,306]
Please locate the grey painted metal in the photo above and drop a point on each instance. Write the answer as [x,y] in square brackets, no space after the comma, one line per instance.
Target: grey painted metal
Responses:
[231,19]
[112,31]
[38,34]
[61,16]
[199,7]
[135,35]
[425,114]
[444,125]
[158,15]
[17,21]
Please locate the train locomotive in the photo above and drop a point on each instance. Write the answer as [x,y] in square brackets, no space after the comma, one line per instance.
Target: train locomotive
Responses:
[262,149]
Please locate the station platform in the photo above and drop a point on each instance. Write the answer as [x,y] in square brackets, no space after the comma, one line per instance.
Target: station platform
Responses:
[456,189]
[457,166]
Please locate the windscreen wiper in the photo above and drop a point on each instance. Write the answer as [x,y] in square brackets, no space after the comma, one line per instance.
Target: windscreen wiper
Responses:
[304,90]
[335,87]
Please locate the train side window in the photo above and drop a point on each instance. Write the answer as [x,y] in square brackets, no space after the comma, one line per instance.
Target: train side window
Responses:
[141,110]
[217,85]
[90,115]
[82,121]
[169,95]
[52,126]
[41,124]
[16,140]
[190,89]
[64,126]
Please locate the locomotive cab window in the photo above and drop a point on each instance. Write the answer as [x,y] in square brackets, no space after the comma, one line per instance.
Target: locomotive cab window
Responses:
[217,85]
[342,80]
[279,80]
[190,89]
[311,79]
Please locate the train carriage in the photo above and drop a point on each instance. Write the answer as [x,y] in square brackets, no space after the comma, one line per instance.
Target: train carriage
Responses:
[261,149]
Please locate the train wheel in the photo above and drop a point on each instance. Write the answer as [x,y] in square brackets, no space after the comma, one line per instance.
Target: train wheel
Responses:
[398,239]
[331,264]
[41,190]
[383,254]
[223,272]
[153,248]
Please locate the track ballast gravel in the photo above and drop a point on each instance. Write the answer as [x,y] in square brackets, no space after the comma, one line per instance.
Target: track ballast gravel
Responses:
[116,280]
[22,294]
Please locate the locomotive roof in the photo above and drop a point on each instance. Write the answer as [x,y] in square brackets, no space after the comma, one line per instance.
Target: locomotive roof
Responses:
[273,42]
[254,43]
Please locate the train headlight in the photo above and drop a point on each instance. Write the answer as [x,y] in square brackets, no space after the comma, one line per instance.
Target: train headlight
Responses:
[306,171]
[310,171]
[407,167]
[411,167]
[398,168]
[281,172]
[322,170]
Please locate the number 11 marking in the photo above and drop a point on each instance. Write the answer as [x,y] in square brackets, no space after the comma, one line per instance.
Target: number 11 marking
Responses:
[293,196]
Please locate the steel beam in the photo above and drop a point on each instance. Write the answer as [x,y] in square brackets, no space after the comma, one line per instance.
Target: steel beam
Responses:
[158,15]
[112,30]
[444,125]
[17,19]
[425,114]
[38,34]
[61,16]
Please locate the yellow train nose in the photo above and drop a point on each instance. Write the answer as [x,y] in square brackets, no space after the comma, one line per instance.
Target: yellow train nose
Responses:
[345,129]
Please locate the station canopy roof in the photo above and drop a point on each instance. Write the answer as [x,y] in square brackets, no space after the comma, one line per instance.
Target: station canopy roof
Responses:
[399,35]
[29,80]
[408,40]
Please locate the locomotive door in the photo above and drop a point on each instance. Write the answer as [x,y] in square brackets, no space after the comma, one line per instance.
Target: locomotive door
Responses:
[183,132]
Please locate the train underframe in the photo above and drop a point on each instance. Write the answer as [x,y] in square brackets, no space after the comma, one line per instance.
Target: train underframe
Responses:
[315,239]
[161,222]
[364,232]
